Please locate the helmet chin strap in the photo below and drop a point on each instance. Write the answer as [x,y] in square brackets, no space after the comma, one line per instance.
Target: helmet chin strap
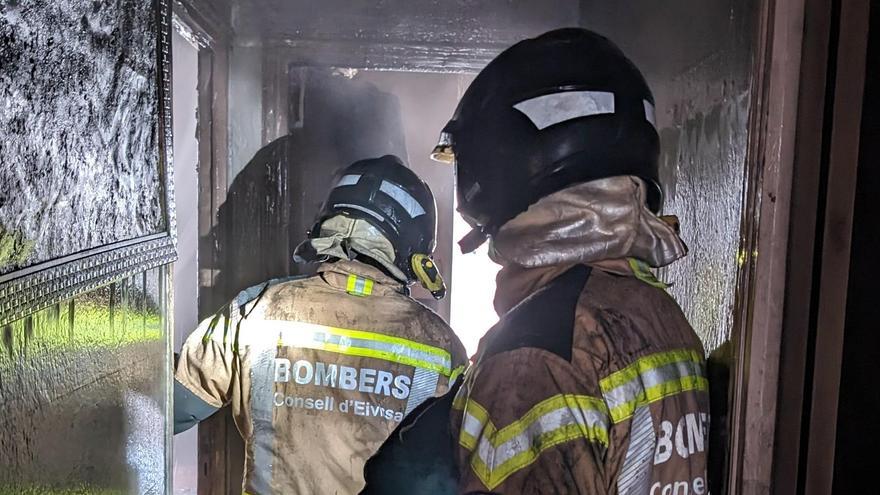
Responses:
[474,239]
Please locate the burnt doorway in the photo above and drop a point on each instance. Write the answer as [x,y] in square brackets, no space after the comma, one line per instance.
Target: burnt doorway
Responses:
[185,99]
[325,119]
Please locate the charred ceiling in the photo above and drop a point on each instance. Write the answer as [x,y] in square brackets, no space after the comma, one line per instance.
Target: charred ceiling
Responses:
[427,35]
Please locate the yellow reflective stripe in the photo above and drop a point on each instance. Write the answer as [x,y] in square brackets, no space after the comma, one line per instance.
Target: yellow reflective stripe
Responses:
[351,342]
[455,373]
[390,339]
[574,402]
[359,286]
[652,378]
[659,392]
[494,477]
[498,454]
[643,272]
[385,356]
[632,371]
[475,423]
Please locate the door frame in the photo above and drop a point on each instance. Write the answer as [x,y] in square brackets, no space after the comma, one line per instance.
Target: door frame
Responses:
[208,22]
[808,76]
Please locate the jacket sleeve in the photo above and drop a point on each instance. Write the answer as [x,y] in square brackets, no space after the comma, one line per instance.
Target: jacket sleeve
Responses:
[204,373]
[526,427]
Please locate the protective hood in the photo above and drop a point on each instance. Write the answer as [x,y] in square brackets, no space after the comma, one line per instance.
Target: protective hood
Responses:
[590,222]
[343,237]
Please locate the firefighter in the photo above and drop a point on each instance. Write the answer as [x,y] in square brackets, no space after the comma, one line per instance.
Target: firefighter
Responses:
[592,381]
[320,370]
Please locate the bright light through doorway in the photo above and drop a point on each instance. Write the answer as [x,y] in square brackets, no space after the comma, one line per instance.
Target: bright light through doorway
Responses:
[473,289]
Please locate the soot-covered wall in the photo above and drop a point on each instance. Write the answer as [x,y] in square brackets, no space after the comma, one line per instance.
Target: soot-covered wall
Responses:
[83,382]
[697,58]
[78,121]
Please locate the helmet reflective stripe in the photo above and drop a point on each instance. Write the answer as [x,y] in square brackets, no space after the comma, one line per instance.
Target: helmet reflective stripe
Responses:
[649,113]
[560,109]
[390,197]
[348,180]
[547,110]
[403,198]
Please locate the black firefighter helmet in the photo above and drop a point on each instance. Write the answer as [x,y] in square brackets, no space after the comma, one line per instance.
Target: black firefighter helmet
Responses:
[391,197]
[563,108]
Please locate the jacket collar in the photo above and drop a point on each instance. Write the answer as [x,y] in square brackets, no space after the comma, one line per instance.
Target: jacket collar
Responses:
[343,273]
[588,223]
[603,224]
[514,283]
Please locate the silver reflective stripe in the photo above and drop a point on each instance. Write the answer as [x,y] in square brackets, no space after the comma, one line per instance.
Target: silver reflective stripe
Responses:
[649,113]
[262,374]
[547,110]
[351,342]
[348,180]
[472,425]
[635,476]
[493,457]
[403,198]
[623,394]
[635,389]
[424,385]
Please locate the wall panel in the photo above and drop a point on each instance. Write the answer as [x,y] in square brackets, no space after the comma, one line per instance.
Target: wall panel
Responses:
[83,393]
[86,232]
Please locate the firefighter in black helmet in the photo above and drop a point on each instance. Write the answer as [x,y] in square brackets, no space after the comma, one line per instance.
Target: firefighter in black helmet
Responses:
[592,381]
[320,370]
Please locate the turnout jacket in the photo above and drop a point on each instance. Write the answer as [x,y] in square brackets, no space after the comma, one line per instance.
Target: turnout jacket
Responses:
[592,382]
[318,372]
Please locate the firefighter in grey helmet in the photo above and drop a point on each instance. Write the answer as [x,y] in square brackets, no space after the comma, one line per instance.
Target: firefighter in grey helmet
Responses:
[319,370]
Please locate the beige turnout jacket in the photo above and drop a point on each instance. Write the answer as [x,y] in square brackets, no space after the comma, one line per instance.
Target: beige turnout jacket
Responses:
[318,372]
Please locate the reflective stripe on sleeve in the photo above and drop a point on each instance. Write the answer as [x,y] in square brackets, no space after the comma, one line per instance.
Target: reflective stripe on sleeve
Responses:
[349,342]
[474,420]
[497,454]
[651,379]
[455,374]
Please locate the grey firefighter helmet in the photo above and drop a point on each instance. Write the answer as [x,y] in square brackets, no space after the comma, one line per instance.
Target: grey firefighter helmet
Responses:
[392,198]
